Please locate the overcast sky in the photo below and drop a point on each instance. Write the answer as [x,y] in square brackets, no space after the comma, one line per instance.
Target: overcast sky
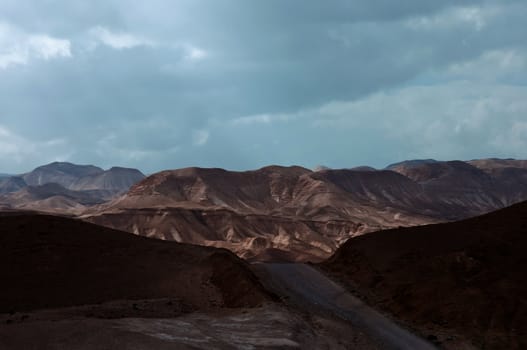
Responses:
[240,84]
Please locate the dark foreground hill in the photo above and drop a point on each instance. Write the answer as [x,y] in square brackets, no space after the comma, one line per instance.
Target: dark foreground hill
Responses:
[49,261]
[466,278]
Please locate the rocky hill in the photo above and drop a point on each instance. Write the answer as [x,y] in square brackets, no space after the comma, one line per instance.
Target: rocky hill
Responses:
[465,278]
[83,177]
[65,188]
[50,261]
[11,184]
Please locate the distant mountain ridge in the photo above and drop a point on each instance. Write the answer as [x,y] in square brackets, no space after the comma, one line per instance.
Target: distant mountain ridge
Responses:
[496,163]
[62,186]
[11,184]
[83,177]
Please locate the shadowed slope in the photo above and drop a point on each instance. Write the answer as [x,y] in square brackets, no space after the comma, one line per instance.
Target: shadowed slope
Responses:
[467,276]
[48,261]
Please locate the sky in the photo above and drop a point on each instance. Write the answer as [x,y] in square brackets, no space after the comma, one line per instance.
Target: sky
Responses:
[237,84]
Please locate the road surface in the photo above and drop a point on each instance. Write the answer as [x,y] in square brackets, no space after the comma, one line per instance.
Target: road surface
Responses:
[305,286]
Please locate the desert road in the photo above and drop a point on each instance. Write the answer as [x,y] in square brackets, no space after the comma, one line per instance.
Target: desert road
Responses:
[309,288]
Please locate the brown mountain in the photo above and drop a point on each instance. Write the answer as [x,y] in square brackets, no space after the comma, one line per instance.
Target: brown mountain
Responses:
[62,173]
[456,189]
[52,197]
[281,211]
[495,163]
[50,261]
[65,187]
[465,189]
[465,278]
[294,213]
[510,174]
[116,179]
[11,184]
[84,177]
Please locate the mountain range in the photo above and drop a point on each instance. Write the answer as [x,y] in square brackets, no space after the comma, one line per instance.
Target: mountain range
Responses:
[293,213]
[274,213]
[64,187]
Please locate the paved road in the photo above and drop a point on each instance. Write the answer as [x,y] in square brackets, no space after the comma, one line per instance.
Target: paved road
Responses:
[306,286]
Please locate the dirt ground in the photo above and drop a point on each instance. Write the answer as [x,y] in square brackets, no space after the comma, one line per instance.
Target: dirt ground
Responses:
[270,326]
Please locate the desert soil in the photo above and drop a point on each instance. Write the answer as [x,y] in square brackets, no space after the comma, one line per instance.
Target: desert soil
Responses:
[270,326]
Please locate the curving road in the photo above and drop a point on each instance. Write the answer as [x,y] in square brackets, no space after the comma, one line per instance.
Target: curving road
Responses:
[309,288]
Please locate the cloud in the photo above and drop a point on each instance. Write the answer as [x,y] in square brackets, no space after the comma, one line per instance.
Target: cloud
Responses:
[253,119]
[17,149]
[46,47]
[493,65]
[10,144]
[200,137]
[19,47]
[119,40]
[513,140]
[262,119]
[195,53]
[340,83]
[117,143]
[457,120]
[475,16]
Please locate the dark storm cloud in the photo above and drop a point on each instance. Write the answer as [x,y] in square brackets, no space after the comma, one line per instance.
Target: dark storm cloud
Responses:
[241,84]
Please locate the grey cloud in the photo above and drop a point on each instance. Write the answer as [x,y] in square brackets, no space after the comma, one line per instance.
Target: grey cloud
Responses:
[144,98]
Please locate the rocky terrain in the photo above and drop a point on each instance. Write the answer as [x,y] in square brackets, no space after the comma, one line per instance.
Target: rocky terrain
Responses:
[292,213]
[455,280]
[271,326]
[72,285]
[65,188]
[10,184]
[464,189]
[52,197]
[457,284]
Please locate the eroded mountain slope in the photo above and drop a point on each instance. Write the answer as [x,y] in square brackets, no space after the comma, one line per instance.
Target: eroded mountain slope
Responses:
[289,212]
